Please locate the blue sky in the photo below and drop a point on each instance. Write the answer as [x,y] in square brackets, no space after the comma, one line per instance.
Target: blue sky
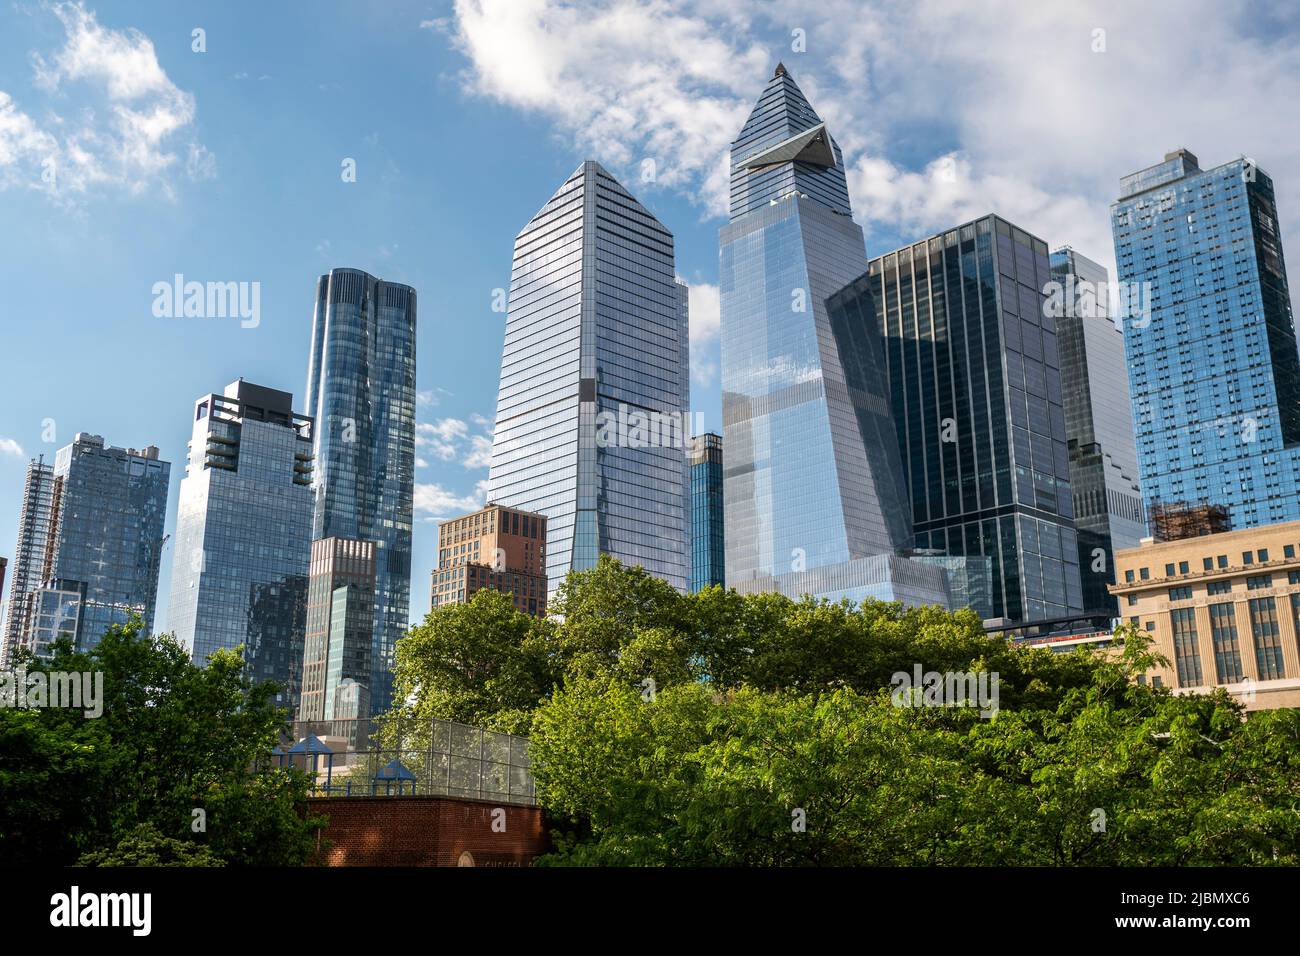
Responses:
[462,118]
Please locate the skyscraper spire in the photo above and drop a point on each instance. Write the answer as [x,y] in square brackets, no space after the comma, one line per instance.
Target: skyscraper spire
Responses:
[814,500]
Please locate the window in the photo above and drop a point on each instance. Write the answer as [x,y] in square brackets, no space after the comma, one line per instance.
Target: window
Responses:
[1182,567]
[1293,577]
[1288,550]
[1132,599]
[1223,560]
[1169,570]
[1144,574]
[1268,641]
[1262,555]
[1151,625]
[1128,576]
[1207,564]
[1187,657]
[1258,581]
[1219,587]
[1180,594]
[1247,558]
[1227,653]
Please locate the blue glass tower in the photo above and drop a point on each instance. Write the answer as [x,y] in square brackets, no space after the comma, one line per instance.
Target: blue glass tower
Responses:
[361,394]
[708,543]
[591,422]
[813,489]
[101,546]
[1213,370]
[243,533]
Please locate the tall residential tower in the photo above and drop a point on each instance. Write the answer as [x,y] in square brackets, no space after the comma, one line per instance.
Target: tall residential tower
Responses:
[361,395]
[243,533]
[1213,370]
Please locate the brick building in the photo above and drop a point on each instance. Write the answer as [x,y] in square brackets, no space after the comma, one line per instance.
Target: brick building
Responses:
[496,547]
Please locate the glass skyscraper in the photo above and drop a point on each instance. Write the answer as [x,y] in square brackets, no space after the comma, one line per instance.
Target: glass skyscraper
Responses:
[361,395]
[1213,369]
[243,533]
[100,546]
[972,361]
[1108,511]
[708,543]
[592,414]
[814,499]
[29,553]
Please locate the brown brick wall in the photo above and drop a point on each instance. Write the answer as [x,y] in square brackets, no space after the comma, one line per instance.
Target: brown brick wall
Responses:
[427,831]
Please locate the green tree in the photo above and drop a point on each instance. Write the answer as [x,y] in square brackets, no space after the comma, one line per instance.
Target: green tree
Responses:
[173,739]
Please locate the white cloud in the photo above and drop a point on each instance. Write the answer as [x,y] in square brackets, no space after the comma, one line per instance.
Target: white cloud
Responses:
[10,447]
[1040,126]
[450,440]
[128,116]
[480,453]
[627,81]
[434,502]
[441,437]
[705,321]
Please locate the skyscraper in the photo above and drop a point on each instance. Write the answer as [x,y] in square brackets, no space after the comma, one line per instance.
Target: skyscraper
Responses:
[361,395]
[708,543]
[340,628]
[1108,511]
[1213,370]
[592,413]
[31,549]
[243,533]
[93,562]
[973,367]
[814,499]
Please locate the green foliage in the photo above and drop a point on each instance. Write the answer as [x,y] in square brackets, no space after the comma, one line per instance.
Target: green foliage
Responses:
[145,846]
[767,711]
[173,738]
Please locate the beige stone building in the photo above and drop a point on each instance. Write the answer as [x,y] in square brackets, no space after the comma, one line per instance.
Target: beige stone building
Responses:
[1223,609]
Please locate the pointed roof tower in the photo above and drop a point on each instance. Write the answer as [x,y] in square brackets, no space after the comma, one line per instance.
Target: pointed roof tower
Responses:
[784,148]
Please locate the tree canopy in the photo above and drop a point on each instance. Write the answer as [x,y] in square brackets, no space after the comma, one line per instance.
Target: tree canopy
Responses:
[720,728]
[124,787]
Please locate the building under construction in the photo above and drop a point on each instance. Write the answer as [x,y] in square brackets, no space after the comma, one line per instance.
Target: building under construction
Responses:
[1173,520]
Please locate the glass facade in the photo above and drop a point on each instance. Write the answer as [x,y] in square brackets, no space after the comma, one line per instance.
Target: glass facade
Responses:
[34,523]
[973,366]
[243,533]
[708,553]
[340,624]
[812,485]
[1213,370]
[596,350]
[1108,511]
[361,393]
[105,537]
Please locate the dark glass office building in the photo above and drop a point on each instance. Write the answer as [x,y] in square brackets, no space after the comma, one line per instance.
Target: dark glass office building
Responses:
[1108,511]
[814,495]
[1213,370]
[708,551]
[592,412]
[243,533]
[361,394]
[973,365]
